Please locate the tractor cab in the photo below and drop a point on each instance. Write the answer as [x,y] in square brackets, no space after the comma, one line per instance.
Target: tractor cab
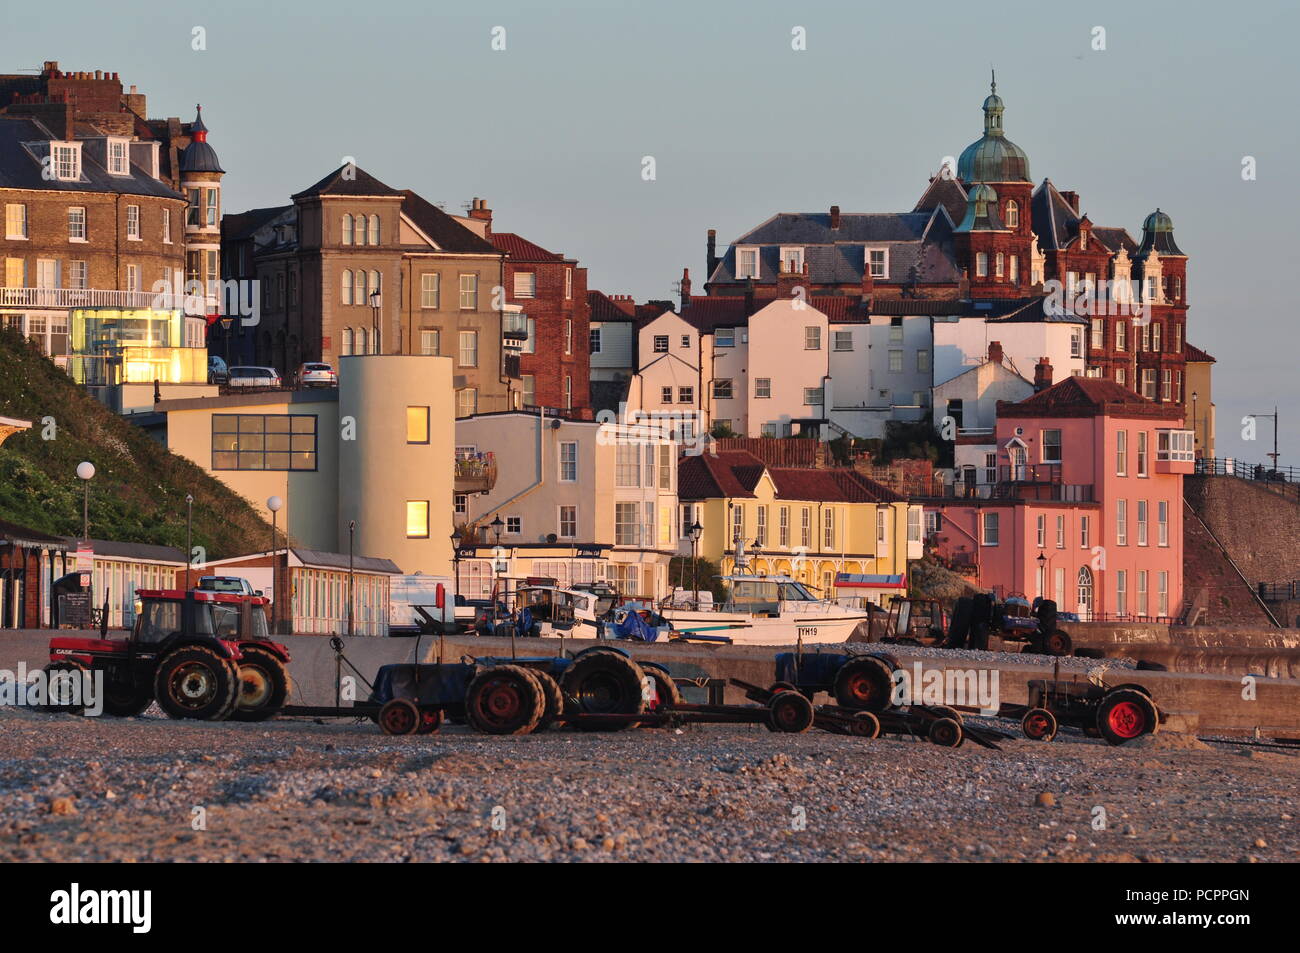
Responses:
[202,614]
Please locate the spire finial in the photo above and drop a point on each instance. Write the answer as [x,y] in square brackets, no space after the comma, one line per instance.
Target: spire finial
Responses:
[993,81]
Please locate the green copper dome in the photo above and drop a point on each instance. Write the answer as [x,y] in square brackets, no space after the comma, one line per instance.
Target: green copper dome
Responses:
[1158,236]
[994,157]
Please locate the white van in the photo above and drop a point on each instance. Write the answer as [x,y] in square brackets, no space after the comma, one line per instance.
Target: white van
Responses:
[421,604]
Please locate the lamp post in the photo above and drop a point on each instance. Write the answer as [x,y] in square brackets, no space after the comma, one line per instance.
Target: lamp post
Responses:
[274,504]
[189,537]
[226,321]
[497,562]
[1195,433]
[695,531]
[86,471]
[497,525]
[455,557]
[352,531]
[376,302]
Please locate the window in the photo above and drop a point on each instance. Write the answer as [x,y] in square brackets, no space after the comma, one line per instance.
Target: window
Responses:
[1076,342]
[132,278]
[1121,592]
[843,341]
[1121,377]
[882,531]
[194,209]
[1162,593]
[666,395]
[468,352]
[469,292]
[805,527]
[1166,384]
[760,532]
[1155,337]
[568,283]
[133,222]
[792,260]
[568,522]
[724,337]
[1083,532]
[263,442]
[1121,335]
[914,514]
[812,396]
[67,161]
[783,527]
[666,467]
[373,238]
[738,522]
[118,161]
[1149,383]
[627,465]
[896,361]
[686,340]
[528,385]
[982,265]
[923,361]
[722,389]
[1121,522]
[417,424]
[1013,215]
[661,344]
[1142,453]
[828,528]
[466,402]
[430,289]
[649,465]
[627,524]
[568,461]
[1121,453]
[1098,334]
[345,348]
[1142,605]
[525,284]
[991,528]
[1014,272]
[417,519]
[1051,446]
[77,275]
[77,223]
[812,339]
[430,342]
[348,293]
[347,229]
[746,262]
[1141,522]
[460,504]
[878,262]
[1060,532]
[762,387]
[593,341]
[722,423]
[998,264]
[1162,524]
[514,525]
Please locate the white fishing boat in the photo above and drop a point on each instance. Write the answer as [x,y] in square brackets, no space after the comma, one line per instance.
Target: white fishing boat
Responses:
[766,610]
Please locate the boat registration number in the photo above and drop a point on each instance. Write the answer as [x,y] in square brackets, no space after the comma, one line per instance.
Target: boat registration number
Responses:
[807,631]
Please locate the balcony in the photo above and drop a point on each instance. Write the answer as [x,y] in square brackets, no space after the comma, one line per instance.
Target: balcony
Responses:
[1041,481]
[89,298]
[1174,451]
[476,474]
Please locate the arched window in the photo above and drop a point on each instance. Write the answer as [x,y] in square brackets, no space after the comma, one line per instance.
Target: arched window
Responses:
[361,341]
[347,286]
[1013,215]
[374,229]
[375,283]
[346,347]
[362,292]
[347,229]
[1085,593]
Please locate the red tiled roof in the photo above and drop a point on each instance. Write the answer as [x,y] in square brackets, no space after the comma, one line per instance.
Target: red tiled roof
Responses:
[829,486]
[1087,397]
[1193,353]
[520,248]
[605,308]
[734,474]
[774,451]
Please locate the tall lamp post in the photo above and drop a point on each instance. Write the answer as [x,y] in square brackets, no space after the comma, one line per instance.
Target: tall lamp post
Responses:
[274,504]
[1195,433]
[189,537]
[695,531]
[498,567]
[86,471]
[376,302]
[352,531]
[226,321]
[455,557]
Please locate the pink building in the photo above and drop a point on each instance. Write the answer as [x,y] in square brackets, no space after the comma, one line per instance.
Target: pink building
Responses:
[1084,506]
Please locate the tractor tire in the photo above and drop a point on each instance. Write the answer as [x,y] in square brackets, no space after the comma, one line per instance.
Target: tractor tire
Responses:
[865,725]
[604,683]
[1059,644]
[60,696]
[399,716]
[1039,724]
[263,685]
[945,733]
[430,721]
[196,682]
[866,683]
[505,700]
[1126,714]
[790,713]
[664,688]
[125,701]
[553,696]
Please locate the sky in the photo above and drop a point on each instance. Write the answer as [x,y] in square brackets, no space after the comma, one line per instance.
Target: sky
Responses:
[553,130]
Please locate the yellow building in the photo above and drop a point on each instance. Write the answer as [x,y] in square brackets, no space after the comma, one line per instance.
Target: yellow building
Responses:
[810,524]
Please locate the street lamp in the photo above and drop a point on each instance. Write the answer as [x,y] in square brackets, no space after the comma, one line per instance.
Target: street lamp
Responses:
[189,537]
[1195,433]
[376,302]
[226,321]
[497,525]
[455,556]
[695,531]
[85,470]
[274,504]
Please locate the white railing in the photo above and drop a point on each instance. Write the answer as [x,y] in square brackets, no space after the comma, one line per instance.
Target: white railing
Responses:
[88,298]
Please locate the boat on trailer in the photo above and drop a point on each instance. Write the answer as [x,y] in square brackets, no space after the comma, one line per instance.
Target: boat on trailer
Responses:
[766,610]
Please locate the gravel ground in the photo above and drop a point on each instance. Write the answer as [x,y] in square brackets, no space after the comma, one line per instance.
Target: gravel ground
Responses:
[86,789]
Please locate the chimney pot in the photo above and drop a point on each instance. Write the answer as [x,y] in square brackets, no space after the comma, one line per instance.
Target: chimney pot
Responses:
[835,216]
[1042,375]
[995,352]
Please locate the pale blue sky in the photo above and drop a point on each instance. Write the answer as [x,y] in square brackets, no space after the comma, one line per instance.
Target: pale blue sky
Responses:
[552,130]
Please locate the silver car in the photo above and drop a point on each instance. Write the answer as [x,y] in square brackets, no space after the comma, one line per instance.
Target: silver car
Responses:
[254,377]
[316,375]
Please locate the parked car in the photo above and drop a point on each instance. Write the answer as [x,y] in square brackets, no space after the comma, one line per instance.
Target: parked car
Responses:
[254,377]
[315,375]
[227,584]
[218,373]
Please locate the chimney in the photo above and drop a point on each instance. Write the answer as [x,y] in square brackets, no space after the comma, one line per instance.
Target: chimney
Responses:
[995,353]
[1042,375]
[749,296]
[868,283]
[788,281]
[686,288]
[479,210]
[1073,199]
[712,258]
[835,216]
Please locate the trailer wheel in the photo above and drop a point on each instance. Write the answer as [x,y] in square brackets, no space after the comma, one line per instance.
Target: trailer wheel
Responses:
[1059,644]
[552,698]
[504,700]
[782,687]
[430,721]
[790,712]
[943,711]
[263,685]
[196,682]
[125,701]
[865,682]
[399,716]
[865,725]
[60,693]
[663,687]
[1124,715]
[945,733]
[604,683]
[1039,724]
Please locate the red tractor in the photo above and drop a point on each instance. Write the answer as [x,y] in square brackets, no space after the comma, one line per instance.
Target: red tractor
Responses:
[199,654]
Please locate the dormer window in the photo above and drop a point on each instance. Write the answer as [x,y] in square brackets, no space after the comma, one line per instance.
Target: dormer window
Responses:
[746,263]
[65,160]
[1013,215]
[792,260]
[878,262]
[119,157]
[1083,241]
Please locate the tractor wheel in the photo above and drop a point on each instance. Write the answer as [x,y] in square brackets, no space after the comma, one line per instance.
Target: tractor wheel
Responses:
[430,721]
[789,712]
[943,711]
[1059,644]
[196,682]
[1124,715]
[64,687]
[1039,724]
[263,685]
[945,733]
[399,716]
[505,700]
[865,682]
[553,696]
[663,689]
[865,725]
[605,683]
[125,701]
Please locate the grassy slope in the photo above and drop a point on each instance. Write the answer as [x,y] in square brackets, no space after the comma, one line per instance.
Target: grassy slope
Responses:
[138,493]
